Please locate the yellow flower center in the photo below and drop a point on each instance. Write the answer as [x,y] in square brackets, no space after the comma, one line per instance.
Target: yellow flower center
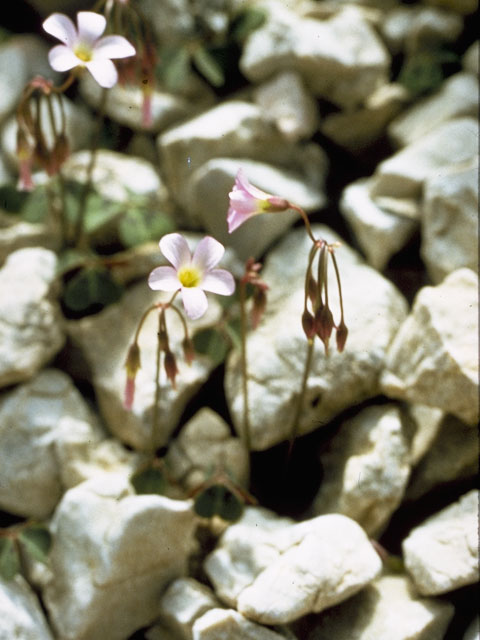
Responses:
[83,52]
[189,276]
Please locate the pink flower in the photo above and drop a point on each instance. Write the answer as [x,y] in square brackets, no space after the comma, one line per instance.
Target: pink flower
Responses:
[83,46]
[247,201]
[192,275]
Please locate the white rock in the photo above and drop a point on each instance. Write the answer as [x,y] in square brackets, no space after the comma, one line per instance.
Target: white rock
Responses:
[106,353]
[16,234]
[473,631]
[415,26]
[439,466]
[357,129]
[457,97]
[276,351]
[220,624]
[340,58]
[450,221]
[113,552]
[402,175]
[124,105]
[470,60]
[441,554]
[205,445]
[20,614]
[366,468]
[174,21]
[379,232]
[183,602]
[277,576]
[387,608]
[232,129]
[433,358]
[427,423]
[286,101]
[207,202]
[31,326]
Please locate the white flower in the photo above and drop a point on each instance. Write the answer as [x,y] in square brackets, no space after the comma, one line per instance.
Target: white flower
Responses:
[192,274]
[83,46]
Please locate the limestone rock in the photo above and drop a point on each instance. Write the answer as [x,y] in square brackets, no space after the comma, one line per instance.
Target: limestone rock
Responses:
[112,554]
[286,101]
[208,191]
[366,468]
[457,97]
[453,455]
[219,624]
[473,631]
[277,576]
[340,58]
[20,613]
[402,175]
[124,105]
[31,327]
[357,129]
[433,358]
[379,232]
[16,234]
[470,59]
[105,354]
[232,129]
[205,445]
[450,221]
[441,554]
[276,351]
[387,608]
[427,423]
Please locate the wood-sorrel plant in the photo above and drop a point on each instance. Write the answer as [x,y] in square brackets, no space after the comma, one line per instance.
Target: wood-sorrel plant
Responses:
[247,201]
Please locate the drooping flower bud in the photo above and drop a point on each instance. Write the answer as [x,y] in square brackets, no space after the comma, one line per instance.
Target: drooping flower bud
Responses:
[25,159]
[188,350]
[259,305]
[170,364]
[324,324]
[60,151]
[308,324]
[132,365]
[341,336]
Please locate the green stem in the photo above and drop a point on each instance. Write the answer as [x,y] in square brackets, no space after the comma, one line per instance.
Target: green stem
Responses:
[156,401]
[305,219]
[80,226]
[243,356]
[301,398]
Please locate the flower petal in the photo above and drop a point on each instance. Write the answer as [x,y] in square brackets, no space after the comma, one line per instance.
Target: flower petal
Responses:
[243,202]
[164,279]
[114,47]
[61,58]
[219,281]
[194,301]
[60,26]
[208,253]
[242,184]
[175,249]
[104,72]
[91,25]
[236,218]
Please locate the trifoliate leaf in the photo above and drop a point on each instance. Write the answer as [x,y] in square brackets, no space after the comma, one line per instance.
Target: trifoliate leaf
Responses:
[93,287]
[35,208]
[11,199]
[72,259]
[209,67]
[36,541]
[246,22]
[141,224]
[9,559]
[150,480]
[174,66]
[211,343]
[220,501]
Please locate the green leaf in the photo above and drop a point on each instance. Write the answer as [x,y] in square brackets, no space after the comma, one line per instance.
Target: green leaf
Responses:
[35,207]
[11,199]
[211,343]
[9,559]
[72,259]
[220,501]
[174,66]
[100,211]
[36,541]
[150,480]
[422,72]
[142,224]
[89,288]
[246,22]
[209,67]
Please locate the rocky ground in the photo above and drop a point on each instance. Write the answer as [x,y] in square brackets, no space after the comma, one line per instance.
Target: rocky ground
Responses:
[364,113]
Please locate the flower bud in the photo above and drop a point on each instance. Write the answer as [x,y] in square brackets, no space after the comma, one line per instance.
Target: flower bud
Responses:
[312,289]
[259,304]
[276,204]
[61,151]
[308,324]
[324,324]
[341,336]
[188,350]
[171,369]
[132,365]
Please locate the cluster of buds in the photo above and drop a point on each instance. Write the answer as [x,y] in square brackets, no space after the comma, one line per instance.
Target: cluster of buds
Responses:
[36,105]
[260,288]
[319,320]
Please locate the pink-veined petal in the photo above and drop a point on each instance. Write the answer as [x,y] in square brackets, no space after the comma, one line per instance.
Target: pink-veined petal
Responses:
[60,26]
[61,58]
[208,253]
[236,218]
[243,202]
[242,184]
[113,47]
[104,72]
[175,249]
[219,281]
[90,26]
[164,279]
[194,301]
